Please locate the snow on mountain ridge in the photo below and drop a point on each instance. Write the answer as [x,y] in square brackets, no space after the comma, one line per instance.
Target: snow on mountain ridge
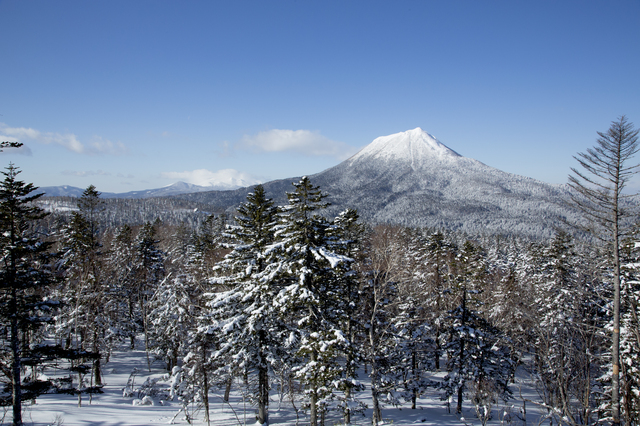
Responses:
[416,147]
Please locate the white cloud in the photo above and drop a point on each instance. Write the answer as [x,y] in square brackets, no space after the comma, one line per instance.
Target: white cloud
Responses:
[85,173]
[305,142]
[221,179]
[103,146]
[67,140]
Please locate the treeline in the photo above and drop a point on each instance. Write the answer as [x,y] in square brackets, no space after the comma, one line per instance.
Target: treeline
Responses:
[117,212]
[282,298]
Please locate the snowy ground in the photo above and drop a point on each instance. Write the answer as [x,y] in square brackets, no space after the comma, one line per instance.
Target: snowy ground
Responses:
[111,408]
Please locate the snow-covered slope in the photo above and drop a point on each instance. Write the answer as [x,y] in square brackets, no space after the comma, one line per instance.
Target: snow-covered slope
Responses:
[410,178]
[415,147]
[173,189]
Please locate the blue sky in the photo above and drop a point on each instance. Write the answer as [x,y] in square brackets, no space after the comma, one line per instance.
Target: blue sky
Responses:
[131,95]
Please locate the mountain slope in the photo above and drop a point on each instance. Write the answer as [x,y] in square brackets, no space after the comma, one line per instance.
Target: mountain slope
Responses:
[174,189]
[410,178]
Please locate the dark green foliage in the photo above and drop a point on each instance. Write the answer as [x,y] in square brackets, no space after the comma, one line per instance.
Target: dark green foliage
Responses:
[24,276]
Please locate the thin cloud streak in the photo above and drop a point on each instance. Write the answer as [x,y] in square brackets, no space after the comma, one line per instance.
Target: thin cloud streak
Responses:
[305,142]
[85,173]
[69,141]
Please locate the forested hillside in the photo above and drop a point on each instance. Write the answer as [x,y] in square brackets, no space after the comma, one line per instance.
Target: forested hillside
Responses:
[287,303]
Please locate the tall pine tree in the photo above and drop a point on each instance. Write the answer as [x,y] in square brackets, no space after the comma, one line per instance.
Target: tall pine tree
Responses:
[24,276]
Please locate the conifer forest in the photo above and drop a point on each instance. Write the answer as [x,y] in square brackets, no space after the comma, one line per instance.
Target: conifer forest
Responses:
[333,317]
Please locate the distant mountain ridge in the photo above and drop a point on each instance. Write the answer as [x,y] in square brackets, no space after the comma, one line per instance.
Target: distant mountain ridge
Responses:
[174,189]
[410,178]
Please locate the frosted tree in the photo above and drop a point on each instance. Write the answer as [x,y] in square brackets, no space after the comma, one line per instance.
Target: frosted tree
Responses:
[414,348]
[475,353]
[630,332]
[25,306]
[250,332]
[84,321]
[173,310]
[599,195]
[509,300]
[149,270]
[435,255]
[121,263]
[304,264]
[384,260]
[566,333]
[346,234]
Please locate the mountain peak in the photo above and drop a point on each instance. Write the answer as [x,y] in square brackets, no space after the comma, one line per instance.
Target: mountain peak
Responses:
[415,146]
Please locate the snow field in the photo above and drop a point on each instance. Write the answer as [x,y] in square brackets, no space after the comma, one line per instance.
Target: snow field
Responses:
[112,408]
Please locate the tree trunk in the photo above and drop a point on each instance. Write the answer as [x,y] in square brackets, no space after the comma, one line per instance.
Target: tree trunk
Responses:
[97,370]
[313,400]
[615,350]
[263,395]
[462,348]
[414,373]
[16,392]
[376,417]
[227,389]
[146,332]
[437,348]
[347,411]
[460,395]
[205,389]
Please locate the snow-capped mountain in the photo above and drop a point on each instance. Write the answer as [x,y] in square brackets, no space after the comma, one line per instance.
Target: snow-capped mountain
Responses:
[415,147]
[410,178]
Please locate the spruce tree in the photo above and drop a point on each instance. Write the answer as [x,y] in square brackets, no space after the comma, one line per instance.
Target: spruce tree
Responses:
[630,331]
[475,353]
[149,270]
[346,235]
[83,320]
[305,266]
[249,330]
[24,276]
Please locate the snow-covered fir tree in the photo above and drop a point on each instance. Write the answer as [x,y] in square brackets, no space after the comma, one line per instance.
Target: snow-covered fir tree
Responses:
[346,234]
[475,351]
[149,272]
[568,338]
[84,323]
[630,332]
[303,264]
[250,332]
[25,304]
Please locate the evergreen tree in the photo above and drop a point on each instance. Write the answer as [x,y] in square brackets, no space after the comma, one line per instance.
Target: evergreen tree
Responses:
[567,338]
[149,269]
[250,331]
[436,256]
[83,323]
[630,332]
[305,267]
[125,317]
[346,234]
[475,353]
[24,276]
